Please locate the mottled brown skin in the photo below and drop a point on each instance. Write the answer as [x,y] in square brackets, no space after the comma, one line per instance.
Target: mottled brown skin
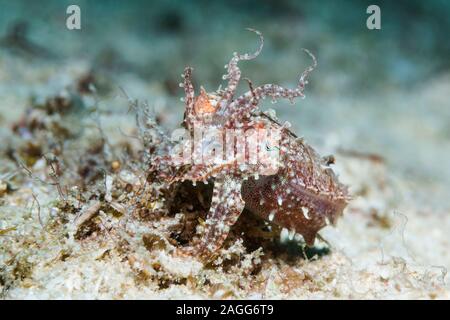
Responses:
[260,197]
[304,195]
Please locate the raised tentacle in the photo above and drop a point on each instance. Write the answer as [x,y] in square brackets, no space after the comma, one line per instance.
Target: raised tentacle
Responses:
[303,78]
[234,73]
[248,102]
[189,97]
[250,85]
[254,99]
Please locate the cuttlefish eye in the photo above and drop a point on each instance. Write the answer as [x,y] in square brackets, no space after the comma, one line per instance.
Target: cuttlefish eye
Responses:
[205,103]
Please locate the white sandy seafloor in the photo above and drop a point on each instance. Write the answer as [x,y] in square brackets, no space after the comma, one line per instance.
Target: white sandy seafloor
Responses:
[392,145]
